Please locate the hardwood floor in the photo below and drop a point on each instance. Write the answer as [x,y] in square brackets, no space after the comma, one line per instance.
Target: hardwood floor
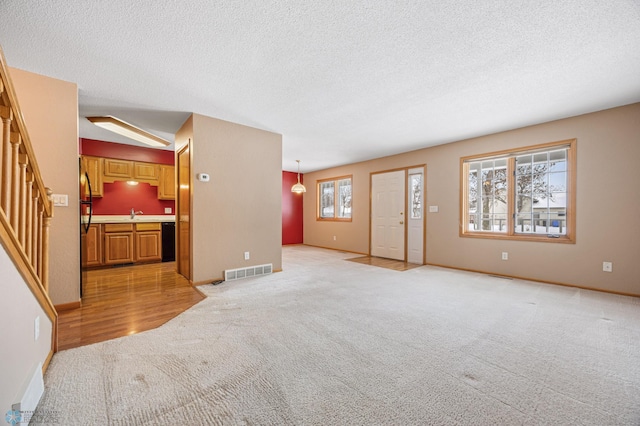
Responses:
[121,301]
[396,265]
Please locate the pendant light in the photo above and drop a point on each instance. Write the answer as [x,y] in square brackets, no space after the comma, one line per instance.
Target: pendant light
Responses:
[298,188]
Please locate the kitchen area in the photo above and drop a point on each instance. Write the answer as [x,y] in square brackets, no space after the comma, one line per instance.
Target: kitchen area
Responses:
[127,205]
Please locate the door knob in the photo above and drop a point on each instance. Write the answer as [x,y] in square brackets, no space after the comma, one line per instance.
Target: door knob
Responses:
[401,222]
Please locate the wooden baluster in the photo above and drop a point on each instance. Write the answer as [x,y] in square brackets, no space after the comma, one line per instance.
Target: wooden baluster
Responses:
[15,184]
[5,171]
[40,226]
[23,161]
[45,246]
[34,229]
[28,216]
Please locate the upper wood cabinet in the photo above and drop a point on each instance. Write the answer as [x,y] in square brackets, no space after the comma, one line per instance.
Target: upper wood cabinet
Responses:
[145,171]
[93,167]
[110,170]
[167,183]
[121,169]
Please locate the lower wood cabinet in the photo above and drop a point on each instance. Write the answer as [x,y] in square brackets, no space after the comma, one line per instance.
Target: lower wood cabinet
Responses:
[121,243]
[93,256]
[148,242]
[118,243]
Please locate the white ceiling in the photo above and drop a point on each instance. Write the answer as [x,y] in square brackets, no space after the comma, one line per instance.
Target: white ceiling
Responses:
[342,81]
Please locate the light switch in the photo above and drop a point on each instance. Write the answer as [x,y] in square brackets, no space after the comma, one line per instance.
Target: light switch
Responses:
[433,209]
[60,200]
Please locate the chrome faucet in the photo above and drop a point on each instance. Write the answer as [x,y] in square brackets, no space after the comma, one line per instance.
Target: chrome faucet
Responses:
[134,213]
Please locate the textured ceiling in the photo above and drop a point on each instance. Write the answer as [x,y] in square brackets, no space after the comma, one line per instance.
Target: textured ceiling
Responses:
[342,81]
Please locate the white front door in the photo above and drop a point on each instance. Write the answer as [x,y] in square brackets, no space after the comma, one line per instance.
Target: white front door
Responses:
[388,215]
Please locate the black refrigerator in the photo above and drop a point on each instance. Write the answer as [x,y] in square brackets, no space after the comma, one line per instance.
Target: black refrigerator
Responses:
[86,211]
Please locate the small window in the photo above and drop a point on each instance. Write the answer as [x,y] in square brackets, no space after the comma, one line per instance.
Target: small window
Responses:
[522,194]
[415,180]
[334,199]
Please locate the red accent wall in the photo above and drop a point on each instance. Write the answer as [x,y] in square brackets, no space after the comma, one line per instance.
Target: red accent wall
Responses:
[291,210]
[125,152]
[119,197]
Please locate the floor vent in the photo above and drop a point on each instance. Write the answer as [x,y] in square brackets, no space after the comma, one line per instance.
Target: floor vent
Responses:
[251,271]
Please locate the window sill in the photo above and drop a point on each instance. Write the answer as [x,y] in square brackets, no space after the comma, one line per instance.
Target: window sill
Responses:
[561,239]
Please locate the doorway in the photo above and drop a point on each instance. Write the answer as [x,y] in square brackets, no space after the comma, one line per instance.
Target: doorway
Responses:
[183,255]
[397,215]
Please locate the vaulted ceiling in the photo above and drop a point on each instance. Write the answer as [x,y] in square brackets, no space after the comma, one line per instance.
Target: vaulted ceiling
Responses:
[342,81]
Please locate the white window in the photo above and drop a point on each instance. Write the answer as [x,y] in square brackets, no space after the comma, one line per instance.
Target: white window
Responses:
[334,199]
[522,194]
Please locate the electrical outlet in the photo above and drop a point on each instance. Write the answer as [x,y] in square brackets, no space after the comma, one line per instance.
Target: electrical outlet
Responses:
[36,329]
[505,255]
[246,255]
[607,266]
[167,210]
[433,209]
[334,238]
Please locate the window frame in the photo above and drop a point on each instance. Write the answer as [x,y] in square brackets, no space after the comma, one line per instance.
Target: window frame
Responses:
[335,181]
[510,155]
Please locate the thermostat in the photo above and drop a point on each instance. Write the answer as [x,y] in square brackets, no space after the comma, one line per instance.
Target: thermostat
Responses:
[203,177]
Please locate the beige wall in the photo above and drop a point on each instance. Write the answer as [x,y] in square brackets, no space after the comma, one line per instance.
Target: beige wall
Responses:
[240,208]
[50,110]
[19,352]
[608,205]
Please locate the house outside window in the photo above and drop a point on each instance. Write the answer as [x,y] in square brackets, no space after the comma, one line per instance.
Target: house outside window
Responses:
[334,199]
[527,193]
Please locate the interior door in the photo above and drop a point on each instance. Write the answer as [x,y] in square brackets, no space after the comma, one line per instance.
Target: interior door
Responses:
[387,215]
[184,213]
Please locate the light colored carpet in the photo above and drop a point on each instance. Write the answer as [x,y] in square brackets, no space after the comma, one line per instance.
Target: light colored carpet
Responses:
[330,342]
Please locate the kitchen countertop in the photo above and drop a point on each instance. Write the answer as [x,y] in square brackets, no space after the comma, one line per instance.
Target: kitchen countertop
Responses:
[127,219]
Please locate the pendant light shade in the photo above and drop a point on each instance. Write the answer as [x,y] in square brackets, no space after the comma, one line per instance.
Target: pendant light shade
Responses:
[298,188]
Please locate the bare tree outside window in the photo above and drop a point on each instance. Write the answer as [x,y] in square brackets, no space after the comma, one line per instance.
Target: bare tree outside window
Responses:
[524,193]
[335,199]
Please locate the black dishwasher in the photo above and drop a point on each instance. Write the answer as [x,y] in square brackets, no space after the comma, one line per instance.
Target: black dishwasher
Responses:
[168,241]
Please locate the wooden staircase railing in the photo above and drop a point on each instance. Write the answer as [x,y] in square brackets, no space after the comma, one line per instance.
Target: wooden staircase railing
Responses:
[25,206]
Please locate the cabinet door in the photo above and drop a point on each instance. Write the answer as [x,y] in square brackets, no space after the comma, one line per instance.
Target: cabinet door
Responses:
[93,167]
[94,246]
[118,248]
[145,171]
[148,246]
[167,184]
[118,169]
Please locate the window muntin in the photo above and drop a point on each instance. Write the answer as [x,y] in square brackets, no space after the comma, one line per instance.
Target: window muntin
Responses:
[334,199]
[523,194]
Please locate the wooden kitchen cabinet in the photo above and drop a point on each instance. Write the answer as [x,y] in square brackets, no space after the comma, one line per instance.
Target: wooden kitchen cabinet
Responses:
[167,184]
[94,246]
[148,244]
[145,171]
[93,167]
[118,243]
[117,169]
